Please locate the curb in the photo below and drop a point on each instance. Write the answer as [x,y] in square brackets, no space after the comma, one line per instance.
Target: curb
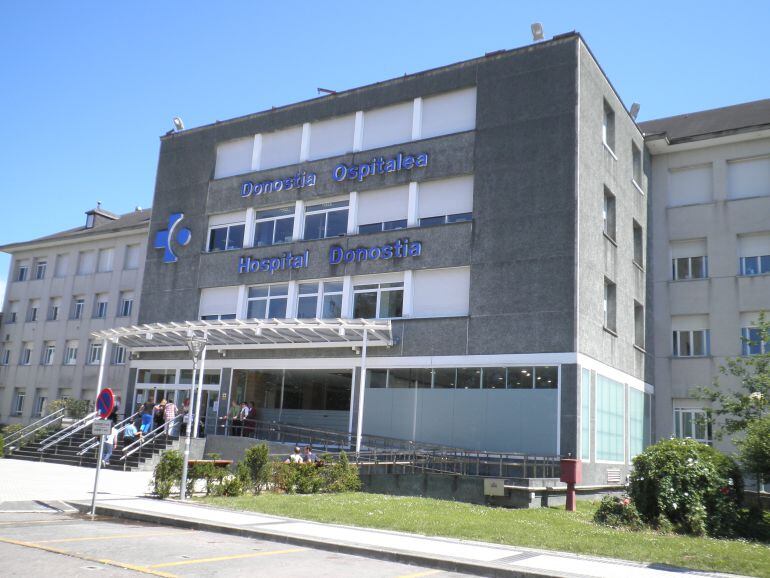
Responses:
[489,569]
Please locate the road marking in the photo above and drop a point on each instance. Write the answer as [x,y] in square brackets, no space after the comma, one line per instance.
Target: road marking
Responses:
[418,574]
[114,537]
[80,556]
[33,522]
[222,558]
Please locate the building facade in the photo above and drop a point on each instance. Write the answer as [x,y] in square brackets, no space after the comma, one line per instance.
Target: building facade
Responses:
[60,289]
[710,190]
[494,210]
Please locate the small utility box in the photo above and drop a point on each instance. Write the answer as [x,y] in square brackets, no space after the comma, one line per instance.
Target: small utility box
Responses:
[494,487]
[571,474]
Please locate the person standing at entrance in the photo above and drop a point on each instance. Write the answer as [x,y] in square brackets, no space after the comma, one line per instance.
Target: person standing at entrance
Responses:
[109,444]
[169,413]
[242,417]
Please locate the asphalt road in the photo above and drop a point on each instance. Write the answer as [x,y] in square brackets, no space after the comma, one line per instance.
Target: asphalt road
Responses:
[60,544]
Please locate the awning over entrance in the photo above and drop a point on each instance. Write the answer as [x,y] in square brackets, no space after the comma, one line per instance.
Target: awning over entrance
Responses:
[253,334]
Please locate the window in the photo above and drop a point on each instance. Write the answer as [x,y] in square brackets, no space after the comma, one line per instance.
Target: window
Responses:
[386,226]
[610,305]
[449,112]
[160,376]
[638,430]
[281,148]
[753,344]
[748,177]
[388,125]
[690,185]
[692,423]
[40,267]
[126,304]
[33,309]
[60,266]
[234,157]
[608,126]
[132,257]
[104,260]
[5,355]
[49,351]
[274,226]
[378,300]
[320,300]
[464,378]
[54,308]
[94,353]
[218,317]
[100,306]
[332,137]
[118,355]
[383,209]
[691,343]
[326,220]
[585,414]
[13,312]
[445,201]
[18,401]
[22,271]
[40,401]
[26,353]
[610,419]
[267,302]
[638,245]
[608,214]
[636,157]
[78,304]
[224,238]
[638,324]
[756,265]
[71,353]
[689,268]
[86,262]
[441,292]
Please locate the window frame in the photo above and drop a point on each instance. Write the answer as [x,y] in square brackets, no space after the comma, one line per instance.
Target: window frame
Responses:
[390,286]
[40,269]
[636,155]
[26,353]
[95,352]
[268,299]
[763,265]
[320,294]
[70,353]
[608,127]
[126,305]
[679,424]
[609,215]
[610,306]
[330,206]
[675,268]
[746,342]
[118,354]
[676,343]
[22,272]
[274,219]
[78,307]
[101,307]
[227,226]
[49,353]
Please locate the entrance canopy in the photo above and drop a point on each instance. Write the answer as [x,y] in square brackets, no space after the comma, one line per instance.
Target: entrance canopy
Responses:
[253,334]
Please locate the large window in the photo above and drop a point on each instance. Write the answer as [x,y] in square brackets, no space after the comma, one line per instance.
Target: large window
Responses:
[100,306]
[132,257]
[326,220]
[322,300]
[94,353]
[274,226]
[585,414]
[383,209]
[78,305]
[692,423]
[755,265]
[5,354]
[689,268]
[610,419]
[608,214]
[159,376]
[638,429]
[753,344]
[22,271]
[608,126]
[40,267]
[18,401]
[638,234]
[445,201]
[104,260]
[118,355]
[267,302]
[754,253]
[71,353]
[54,308]
[691,343]
[226,237]
[49,351]
[126,305]
[638,324]
[378,300]
[610,305]
[636,158]
[26,353]
[33,309]
[539,377]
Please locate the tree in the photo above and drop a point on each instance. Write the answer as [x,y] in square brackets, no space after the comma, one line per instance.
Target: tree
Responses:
[755,447]
[734,410]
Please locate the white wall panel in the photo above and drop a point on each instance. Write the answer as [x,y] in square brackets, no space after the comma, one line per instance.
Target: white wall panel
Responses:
[218,301]
[748,177]
[332,137]
[382,205]
[227,218]
[691,185]
[449,112]
[387,126]
[281,148]
[234,157]
[445,197]
[441,292]
[689,322]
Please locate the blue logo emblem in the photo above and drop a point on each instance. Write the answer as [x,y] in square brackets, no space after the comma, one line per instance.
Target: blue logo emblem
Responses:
[164,238]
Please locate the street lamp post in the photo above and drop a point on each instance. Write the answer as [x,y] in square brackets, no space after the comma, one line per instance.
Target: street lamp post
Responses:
[196,345]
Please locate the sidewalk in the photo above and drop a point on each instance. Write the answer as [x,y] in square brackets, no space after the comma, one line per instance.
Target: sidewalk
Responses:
[440,553]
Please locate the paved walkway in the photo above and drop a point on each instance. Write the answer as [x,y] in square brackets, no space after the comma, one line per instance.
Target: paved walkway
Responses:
[119,495]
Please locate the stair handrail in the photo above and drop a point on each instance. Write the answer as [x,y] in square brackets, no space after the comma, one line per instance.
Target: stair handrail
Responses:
[36,426]
[63,434]
[133,447]
[92,442]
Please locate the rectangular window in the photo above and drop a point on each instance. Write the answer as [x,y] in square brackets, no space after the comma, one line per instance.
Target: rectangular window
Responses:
[126,304]
[100,307]
[608,214]
[690,185]
[22,271]
[104,260]
[132,257]
[610,419]
[691,343]
[13,312]
[226,237]
[86,262]
[60,266]
[78,305]
[692,423]
[49,351]
[684,268]
[636,155]
[332,137]
[610,305]
[40,267]
[753,344]
[441,292]
[234,157]
[608,126]
[748,177]
[388,125]
[118,355]
[382,209]
[638,324]
[320,300]
[26,353]
[445,201]
[267,302]
[756,265]
[638,244]
[54,308]
[636,422]
[71,353]
[5,356]
[585,415]
[18,402]
[378,300]
[449,112]
[40,402]
[94,353]
[281,147]
[326,220]
[33,309]
[274,226]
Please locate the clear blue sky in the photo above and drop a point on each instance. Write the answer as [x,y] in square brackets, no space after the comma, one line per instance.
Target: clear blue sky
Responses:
[87,87]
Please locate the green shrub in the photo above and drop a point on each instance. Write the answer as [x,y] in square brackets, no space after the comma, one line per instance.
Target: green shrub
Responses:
[690,484]
[256,464]
[232,486]
[329,476]
[207,471]
[11,428]
[2,446]
[75,408]
[618,512]
[755,448]
[341,476]
[167,473]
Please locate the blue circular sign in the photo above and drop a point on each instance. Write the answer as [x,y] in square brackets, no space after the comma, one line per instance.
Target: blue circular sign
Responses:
[105,403]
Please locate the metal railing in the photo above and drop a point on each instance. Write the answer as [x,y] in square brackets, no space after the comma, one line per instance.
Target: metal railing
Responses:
[92,442]
[30,430]
[151,436]
[65,433]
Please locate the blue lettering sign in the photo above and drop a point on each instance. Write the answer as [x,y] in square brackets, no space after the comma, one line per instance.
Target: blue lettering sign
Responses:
[296,181]
[397,250]
[272,264]
[379,166]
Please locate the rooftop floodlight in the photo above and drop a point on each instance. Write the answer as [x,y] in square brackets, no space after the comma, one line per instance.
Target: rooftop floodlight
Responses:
[634,110]
[178,124]
[537,31]
[326,91]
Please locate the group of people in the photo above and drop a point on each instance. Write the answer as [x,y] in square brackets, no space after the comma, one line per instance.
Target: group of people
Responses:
[155,415]
[242,419]
[302,456]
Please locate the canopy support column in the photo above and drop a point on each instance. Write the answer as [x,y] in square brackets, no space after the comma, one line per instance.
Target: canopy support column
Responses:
[197,413]
[361,389]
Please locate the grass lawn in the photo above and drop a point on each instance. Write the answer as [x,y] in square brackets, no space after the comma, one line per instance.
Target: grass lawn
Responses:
[546,528]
